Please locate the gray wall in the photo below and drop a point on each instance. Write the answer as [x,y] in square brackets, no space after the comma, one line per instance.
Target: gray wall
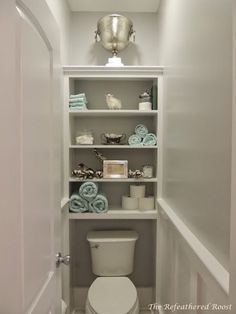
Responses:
[195,39]
[84,51]
[61,12]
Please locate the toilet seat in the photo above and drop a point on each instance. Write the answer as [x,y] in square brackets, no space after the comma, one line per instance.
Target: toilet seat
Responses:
[116,295]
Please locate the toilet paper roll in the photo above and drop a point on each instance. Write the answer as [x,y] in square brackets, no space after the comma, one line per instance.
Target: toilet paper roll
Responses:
[146,203]
[130,202]
[145,106]
[137,191]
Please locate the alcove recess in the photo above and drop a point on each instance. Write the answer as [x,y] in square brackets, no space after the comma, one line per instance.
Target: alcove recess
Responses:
[126,84]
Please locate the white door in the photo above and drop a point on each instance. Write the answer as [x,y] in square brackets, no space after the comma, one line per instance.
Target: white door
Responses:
[30,158]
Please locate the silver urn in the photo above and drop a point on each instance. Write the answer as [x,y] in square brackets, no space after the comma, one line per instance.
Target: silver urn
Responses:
[114,32]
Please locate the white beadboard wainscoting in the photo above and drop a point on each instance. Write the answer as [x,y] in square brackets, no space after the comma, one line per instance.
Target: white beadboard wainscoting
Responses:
[187,272]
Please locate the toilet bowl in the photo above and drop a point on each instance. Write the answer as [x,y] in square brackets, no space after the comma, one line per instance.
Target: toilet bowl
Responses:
[116,295]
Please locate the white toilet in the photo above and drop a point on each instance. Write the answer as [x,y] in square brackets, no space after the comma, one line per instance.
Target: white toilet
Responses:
[112,254]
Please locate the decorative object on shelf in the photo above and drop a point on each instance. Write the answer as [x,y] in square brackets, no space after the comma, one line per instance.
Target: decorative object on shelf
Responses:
[137,191]
[88,190]
[87,173]
[112,138]
[154,97]
[99,174]
[145,103]
[141,130]
[150,140]
[116,169]
[99,156]
[78,204]
[114,32]
[99,204]
[130,203]
[84,137]
[142,137]
[78,102]
[87,199]
[83,172]
[136,174]
[135,140]
[146,203]
[147,171]
[113,103]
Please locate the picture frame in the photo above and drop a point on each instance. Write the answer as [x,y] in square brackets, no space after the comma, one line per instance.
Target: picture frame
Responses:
[115,169]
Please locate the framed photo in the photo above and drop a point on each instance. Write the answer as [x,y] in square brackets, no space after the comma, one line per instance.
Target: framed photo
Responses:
[116,169]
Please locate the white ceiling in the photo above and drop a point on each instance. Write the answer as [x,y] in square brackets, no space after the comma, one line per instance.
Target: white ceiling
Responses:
[113,6]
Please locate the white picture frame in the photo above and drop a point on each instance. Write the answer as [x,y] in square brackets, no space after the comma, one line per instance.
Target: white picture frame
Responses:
[115,169]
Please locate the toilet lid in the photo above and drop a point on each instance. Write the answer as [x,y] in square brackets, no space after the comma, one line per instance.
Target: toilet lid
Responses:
[116,295]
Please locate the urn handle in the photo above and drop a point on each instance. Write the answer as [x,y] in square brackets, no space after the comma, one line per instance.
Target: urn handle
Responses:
[132,32]
[96,35]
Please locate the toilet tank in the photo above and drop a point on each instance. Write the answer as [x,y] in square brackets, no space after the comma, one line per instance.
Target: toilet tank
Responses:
[112,252]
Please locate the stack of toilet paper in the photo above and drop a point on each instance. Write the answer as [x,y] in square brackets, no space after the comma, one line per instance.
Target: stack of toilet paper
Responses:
[137,199]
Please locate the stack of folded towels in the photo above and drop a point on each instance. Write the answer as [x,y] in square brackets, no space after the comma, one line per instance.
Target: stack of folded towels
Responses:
[78,102]
[142,137]
[87,199]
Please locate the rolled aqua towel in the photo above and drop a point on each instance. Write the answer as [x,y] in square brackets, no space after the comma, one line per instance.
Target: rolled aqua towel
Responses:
[135,140]
[78,204]
[141,130]
[99,204]
[150,140]
[88,191]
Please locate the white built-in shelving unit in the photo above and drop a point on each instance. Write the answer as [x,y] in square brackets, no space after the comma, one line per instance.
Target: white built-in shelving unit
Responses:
[125,83]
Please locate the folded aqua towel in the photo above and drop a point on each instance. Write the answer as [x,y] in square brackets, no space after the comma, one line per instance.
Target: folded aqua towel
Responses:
[135,140]
[78,204]
[78,106]
[150,140]
[99,204]
[78,100]
[141,130]
[88,190]
[78,95]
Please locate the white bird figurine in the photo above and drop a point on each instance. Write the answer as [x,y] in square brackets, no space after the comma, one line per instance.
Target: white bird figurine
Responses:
[112,102]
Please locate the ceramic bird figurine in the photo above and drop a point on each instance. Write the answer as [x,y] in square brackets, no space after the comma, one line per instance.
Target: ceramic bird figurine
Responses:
[112,102]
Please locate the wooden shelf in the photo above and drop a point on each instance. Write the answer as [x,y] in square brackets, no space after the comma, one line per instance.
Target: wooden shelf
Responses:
[117,214]
[74,179]
[104,113]
[113,146]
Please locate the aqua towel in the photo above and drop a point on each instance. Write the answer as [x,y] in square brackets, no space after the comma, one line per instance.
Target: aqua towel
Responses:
[78,100]
[135,140]
[141,130]
[88,191]
[78,204]
[99,204]
[78,106]
[150,140]
[78,95]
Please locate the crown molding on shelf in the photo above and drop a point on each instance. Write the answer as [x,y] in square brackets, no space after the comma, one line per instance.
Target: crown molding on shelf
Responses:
[100,71]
